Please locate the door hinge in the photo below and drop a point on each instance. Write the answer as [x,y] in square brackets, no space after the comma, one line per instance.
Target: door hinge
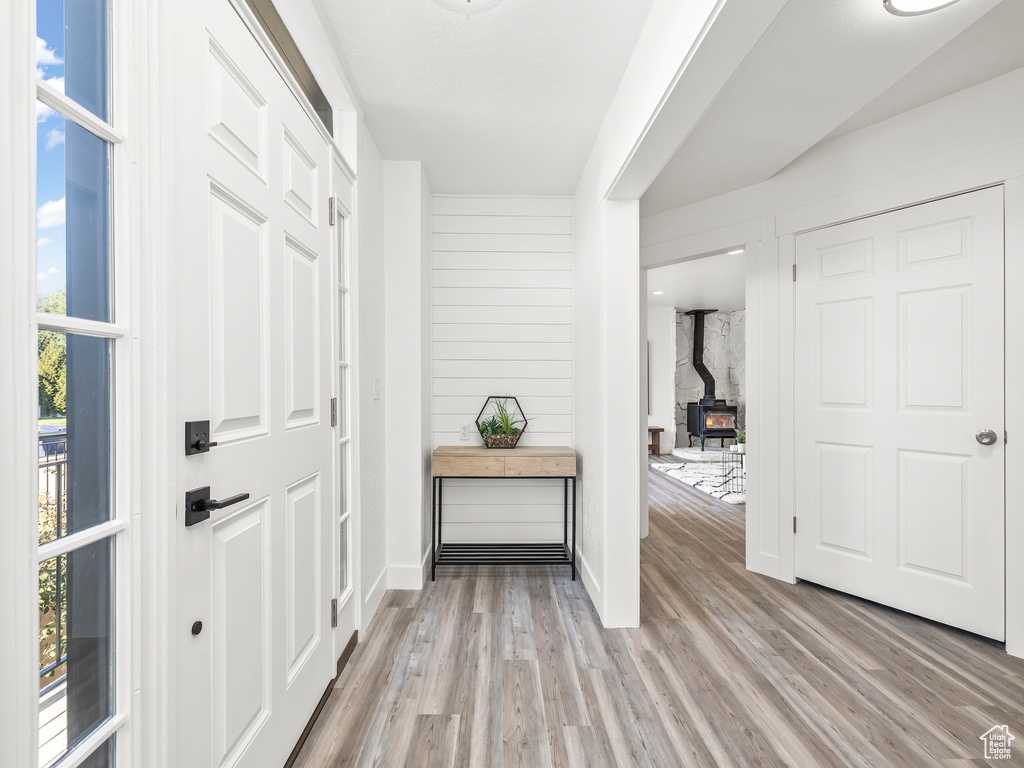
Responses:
[794,524]
[794,268]
[334,411]
[1005,436]
[330,210]
[334,613]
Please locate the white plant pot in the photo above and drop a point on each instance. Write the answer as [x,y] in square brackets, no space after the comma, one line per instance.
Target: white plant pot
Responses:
[740,447]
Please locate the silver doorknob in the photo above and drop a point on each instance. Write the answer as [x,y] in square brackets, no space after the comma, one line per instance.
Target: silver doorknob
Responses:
[986,437]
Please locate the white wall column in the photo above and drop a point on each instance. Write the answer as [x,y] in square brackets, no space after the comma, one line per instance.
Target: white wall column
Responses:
[407,371]
[645,402]
[626,424]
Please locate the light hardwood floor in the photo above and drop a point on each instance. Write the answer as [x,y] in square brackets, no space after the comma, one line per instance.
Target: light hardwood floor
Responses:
[511,667]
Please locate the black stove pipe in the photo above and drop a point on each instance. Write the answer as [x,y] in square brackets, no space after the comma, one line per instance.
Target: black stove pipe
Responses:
[698,353]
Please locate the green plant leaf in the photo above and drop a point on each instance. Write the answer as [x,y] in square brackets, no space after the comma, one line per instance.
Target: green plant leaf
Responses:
[507,423]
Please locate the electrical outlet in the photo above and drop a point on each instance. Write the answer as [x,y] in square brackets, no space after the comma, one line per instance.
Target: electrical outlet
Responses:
[464,432]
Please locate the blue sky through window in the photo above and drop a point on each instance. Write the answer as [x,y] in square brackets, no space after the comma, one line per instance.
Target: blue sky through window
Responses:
[50,166]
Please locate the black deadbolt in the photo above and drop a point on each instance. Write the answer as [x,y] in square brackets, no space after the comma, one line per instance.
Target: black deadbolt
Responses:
[197,437]
[197,627]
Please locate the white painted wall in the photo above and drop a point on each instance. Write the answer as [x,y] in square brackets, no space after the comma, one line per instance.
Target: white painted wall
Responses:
[370,457]
[407,370]
[502,325]
[964,141]
[590,392]
[661,336]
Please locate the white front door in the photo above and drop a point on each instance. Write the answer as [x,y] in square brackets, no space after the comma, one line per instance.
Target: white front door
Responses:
[253,644]
[899,366]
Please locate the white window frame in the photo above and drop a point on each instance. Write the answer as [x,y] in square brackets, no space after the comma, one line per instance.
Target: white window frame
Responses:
[342,315]
[118,528]
[19,639]
[130,35]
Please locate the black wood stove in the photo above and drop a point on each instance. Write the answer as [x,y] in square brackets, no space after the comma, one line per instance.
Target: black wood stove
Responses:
[709,418]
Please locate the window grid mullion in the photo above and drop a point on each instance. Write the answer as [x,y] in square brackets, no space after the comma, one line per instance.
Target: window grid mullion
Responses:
[71,110]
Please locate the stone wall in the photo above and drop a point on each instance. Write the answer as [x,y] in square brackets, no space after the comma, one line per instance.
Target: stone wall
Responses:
[724,355]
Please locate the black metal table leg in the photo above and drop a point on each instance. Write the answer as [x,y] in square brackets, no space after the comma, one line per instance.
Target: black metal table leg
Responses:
[433,528]
[565,512]
[574,529]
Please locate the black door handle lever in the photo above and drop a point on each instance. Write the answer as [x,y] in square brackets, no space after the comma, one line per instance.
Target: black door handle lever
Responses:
[204,504]
[198,504]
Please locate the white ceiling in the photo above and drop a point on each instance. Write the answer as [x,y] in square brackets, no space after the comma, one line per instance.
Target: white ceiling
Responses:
[992,46]
[504,100]
[714,282]
[823,64]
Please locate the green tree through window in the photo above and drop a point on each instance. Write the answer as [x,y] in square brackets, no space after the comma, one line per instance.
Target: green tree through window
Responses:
[52,359]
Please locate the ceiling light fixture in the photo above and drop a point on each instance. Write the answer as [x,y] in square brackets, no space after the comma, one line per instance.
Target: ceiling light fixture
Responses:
[659,293]
[914,7]
[735,252]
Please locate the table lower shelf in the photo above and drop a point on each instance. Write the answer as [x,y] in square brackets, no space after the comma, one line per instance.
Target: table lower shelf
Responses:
[504,554]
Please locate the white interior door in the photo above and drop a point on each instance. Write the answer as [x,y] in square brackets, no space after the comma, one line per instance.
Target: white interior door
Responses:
[254,356]
[899,364]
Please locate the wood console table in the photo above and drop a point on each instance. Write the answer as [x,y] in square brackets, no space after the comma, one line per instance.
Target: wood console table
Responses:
[528,463]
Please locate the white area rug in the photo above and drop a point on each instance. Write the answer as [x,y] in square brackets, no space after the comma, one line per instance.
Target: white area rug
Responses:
[696,454]
[706,472]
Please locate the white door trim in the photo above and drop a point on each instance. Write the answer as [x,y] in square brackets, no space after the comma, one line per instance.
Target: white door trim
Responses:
[1013,217]
[19,643]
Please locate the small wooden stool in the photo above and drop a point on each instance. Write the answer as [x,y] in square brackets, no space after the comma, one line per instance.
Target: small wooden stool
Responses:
[655,434]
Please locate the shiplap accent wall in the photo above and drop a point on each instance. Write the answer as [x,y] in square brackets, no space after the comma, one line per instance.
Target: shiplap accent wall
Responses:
[502,324]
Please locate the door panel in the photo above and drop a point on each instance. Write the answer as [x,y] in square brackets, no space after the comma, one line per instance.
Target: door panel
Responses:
[933,337]
[899,362]
[238,267]
[303,510]
[253,329]
[242,634]
[302,314]
[844,496]
[933,513]
[844,344]
[238,114]
[300,179]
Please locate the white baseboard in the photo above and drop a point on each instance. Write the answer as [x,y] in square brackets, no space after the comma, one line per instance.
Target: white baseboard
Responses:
[591,584]
[372,600]
[408,576]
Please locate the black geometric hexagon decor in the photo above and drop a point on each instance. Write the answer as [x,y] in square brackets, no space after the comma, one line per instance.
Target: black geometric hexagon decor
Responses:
[505,423]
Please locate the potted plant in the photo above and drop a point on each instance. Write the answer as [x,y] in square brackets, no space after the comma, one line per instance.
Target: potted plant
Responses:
[741,441]
[503,428]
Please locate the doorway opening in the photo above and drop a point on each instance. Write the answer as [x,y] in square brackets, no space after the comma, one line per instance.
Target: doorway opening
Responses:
[697,373]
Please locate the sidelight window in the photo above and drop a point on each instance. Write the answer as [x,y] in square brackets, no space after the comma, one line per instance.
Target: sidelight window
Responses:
[343,411]
[81,340]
